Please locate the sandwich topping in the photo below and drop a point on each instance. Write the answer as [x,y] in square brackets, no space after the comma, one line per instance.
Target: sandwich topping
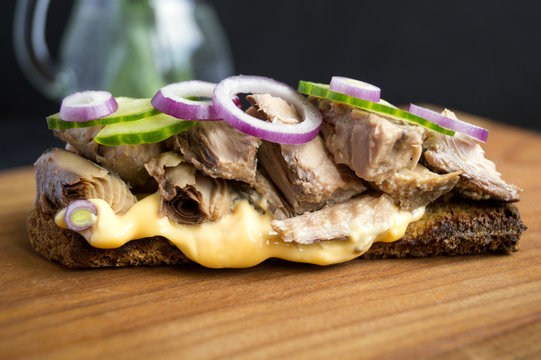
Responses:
[316,179]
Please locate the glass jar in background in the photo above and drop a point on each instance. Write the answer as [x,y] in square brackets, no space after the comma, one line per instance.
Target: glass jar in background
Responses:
[129,47]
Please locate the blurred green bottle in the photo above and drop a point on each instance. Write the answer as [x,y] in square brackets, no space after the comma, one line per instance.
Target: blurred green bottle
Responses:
[129,47]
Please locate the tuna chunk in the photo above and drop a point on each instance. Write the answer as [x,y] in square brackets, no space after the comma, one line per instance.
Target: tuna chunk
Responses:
[373,146]
[306,174]
[187,196]
[128,161]
[418,187]
[63,176]
[264,196]
[339,221]
[274,109]
[219,150]
[479,178]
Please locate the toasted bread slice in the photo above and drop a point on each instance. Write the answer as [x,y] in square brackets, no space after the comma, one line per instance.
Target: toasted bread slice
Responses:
[449,227]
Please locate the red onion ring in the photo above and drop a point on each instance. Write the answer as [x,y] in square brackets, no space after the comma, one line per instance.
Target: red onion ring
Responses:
[299,133]
[355,88]
[78,215]
[87,105]
[172,100]
[449,123]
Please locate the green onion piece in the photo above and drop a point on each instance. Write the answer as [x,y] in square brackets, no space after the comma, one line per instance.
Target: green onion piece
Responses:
[80,215]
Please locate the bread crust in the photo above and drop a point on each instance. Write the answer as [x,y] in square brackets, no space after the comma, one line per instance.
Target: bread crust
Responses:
[71,249]
[449,227]
[457,226]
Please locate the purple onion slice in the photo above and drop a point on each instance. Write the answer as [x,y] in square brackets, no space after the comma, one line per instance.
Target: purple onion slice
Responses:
[449,123]
[173,100]
[355,88]
[87,105]
[299,133]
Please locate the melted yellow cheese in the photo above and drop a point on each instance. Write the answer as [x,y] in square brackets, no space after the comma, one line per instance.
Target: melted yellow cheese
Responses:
[243,238]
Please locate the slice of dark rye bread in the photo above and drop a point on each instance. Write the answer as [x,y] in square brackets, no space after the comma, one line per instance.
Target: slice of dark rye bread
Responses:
[449,227]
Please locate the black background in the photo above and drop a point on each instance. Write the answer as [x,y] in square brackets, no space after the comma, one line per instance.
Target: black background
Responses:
[483,57]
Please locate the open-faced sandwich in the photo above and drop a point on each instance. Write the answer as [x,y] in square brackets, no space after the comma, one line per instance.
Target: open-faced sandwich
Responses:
[322,179]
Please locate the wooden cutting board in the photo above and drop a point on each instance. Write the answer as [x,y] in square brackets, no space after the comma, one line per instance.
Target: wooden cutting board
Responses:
[463,307]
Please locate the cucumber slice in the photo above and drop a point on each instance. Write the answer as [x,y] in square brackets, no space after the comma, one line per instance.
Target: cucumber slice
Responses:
[129,109]
[151,129]
[323,90]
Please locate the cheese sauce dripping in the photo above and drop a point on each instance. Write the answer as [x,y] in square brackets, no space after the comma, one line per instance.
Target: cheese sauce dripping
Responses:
[243,238]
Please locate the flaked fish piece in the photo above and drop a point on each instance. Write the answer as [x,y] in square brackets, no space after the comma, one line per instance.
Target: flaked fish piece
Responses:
[305,174]
[63,176]
[339,221]
[418,187]
[264,196]
[373,146]
[128,161]
[187,195]
[271,108]
[479,179]
[218,150]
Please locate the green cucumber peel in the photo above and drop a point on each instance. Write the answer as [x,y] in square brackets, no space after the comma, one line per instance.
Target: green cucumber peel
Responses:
[151,129]
[129,109]
[323,90]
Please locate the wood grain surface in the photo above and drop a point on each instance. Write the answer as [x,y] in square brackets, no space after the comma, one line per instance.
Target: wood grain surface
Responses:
[480,307]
